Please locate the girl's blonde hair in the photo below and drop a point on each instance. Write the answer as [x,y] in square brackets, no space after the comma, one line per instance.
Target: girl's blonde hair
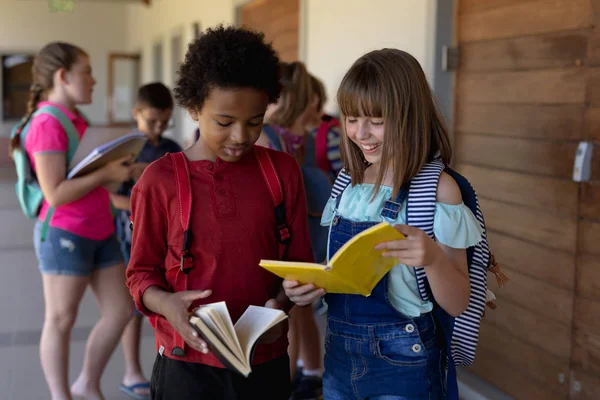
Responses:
[296,94]
[390,84]
[318,89]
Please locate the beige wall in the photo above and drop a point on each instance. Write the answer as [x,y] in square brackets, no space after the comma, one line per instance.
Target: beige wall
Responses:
[340,31]
[26,25]
[334,33]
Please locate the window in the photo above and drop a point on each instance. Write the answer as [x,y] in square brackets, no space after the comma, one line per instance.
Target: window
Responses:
[16,81]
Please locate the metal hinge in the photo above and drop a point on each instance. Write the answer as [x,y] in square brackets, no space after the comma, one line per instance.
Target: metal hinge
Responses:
[449,58]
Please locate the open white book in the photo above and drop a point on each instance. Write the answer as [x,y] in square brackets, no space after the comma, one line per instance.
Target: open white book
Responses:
[234,344]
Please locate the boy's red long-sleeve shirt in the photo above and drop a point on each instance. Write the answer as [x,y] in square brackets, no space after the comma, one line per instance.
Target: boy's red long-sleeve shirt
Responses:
[233,228]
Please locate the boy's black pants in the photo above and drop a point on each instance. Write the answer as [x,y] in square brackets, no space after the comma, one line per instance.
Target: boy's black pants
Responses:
[179,380]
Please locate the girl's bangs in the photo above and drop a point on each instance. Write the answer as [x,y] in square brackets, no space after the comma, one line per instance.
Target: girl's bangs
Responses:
[360,92]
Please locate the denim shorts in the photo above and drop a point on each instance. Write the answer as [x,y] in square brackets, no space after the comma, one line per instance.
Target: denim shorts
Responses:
[64,253]
[388,361]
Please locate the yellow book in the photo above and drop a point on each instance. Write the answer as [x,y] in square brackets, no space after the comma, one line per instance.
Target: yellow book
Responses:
[355,269]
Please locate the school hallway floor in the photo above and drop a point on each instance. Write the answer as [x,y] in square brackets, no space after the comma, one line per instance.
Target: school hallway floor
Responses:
[22,312]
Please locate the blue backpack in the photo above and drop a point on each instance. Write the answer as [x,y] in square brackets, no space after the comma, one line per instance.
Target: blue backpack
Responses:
[462,332]
[317,186]
[28,190]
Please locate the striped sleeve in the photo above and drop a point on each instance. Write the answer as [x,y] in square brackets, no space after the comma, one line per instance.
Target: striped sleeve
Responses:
[333,149]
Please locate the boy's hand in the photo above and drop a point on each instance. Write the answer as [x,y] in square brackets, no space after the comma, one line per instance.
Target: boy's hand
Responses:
[302,295]
[175,308]
[275,332]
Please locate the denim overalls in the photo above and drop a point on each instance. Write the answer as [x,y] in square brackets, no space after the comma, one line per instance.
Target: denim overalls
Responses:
[372,351]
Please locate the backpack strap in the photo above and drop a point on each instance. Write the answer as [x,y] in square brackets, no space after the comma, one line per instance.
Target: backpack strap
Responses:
[271,178]
[274,137]
[321,143]
[72,144]
[420,210]
[184,197]
[341,183]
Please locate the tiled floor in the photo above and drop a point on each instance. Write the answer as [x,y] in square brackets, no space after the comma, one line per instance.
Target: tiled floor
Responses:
[22,310]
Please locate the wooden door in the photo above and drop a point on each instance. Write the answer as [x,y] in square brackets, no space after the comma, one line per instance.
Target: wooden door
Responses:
[280,22]
[526,91]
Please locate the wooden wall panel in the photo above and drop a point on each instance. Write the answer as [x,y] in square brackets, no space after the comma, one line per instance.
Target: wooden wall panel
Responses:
[592,124]
[541,366]
[531,52]
[524,120]
[590,200]
[552,194]
[527,90]
[546,335]
[279,20]
[594,87]
[534,157]
[525,18]
[477,6]
[539,297]
[589,233]
[588,276]
[586,351]
[498,368]
[588,384]
[568,87]
[549,265]
[547,229]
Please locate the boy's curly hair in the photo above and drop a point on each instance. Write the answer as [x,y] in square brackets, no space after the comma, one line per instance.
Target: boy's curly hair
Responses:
[227,57]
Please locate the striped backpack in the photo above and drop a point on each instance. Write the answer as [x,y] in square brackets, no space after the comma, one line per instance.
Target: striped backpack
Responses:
[462,332]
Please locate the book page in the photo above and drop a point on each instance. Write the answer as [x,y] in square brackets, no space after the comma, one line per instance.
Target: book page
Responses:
[253,324]
[219,315]
[220,350]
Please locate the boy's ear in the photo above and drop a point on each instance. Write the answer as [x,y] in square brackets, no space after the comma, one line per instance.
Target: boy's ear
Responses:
[193,113]
[135,113]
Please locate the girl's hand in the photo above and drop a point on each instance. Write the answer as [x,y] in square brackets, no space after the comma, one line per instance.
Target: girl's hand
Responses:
[137,169]
[302,295]
[175,308]
[417,250]
[118,170]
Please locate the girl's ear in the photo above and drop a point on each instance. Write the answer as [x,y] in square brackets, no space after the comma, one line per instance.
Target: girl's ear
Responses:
[60,77]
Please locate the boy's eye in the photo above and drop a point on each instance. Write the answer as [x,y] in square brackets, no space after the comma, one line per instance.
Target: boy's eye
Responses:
[226,124]
[254,123]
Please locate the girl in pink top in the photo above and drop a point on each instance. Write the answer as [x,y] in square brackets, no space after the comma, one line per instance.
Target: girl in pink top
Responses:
[80,247]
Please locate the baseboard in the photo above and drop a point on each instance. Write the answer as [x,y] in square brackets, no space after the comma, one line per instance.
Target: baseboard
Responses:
[471,387]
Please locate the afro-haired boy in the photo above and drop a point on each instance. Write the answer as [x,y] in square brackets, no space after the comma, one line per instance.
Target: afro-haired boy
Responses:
[228,78]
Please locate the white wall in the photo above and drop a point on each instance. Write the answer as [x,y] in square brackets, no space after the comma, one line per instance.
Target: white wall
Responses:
[339,31]
[334,33]
[99,28]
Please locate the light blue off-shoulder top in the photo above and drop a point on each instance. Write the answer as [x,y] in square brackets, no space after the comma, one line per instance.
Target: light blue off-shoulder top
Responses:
[454,226]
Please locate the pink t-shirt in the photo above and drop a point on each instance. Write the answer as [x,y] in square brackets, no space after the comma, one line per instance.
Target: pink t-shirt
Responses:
[89,216]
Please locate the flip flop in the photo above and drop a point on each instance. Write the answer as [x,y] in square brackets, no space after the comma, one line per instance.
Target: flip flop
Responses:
[130,390]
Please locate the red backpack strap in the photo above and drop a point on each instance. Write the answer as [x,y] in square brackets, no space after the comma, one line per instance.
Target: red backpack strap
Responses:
[321,144]
[271,177]
[184,198]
